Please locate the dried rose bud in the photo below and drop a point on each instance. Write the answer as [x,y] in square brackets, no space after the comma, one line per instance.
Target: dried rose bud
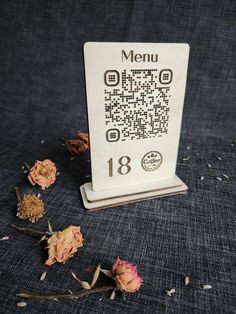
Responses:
[126,276]
[79,145]
[43,173]
[63,244]
[31,207]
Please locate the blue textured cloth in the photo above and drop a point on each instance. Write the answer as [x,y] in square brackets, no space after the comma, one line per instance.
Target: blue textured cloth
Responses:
[42,98]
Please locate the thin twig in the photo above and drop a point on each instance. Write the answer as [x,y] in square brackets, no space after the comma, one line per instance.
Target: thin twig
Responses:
[18,195]
[27,166]
[75,295]
[27,230]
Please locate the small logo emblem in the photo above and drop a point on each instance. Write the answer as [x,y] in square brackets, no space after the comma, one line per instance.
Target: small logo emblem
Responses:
[111,78]
[151,161]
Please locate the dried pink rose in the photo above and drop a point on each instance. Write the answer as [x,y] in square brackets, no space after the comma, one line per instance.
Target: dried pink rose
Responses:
[43,173]
[126,276]
[63,244]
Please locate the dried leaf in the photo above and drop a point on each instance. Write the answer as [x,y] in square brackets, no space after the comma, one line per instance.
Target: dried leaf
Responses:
[74,276]
[42,239]
[21,304]
[50,228]
[113,294]
[84,284]
[43,276]
[108,273]
[207,287]
[186,280]
[96,275]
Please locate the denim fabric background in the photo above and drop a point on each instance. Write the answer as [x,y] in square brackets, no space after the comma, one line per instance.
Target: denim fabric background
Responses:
[42,98]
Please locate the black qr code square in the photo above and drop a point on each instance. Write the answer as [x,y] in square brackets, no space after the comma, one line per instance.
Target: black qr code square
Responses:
[138,106]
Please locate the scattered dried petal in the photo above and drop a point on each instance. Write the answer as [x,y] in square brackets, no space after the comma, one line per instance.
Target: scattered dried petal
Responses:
[70,292]
[4,238]
[113,294]
[170,292]
[219,178]
[43,276]
[25,171]
[39,195]
[225,176]
[205,287]
[209,165]
[219,158]
[42,141]
[186,280]
[58,173]
[188,147]
[21,304]
[186,158]
[72,158]
[202,178]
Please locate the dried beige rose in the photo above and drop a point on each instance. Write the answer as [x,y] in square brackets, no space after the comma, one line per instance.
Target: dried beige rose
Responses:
[43,173]
[63,244]
[79,145]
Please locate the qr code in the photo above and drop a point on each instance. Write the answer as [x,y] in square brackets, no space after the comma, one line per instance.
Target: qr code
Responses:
[136,106]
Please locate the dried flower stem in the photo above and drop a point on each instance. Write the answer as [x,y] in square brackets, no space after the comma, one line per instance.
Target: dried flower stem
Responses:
[61,139]
[75,295]
[27,166]
[18,195]
[28,230]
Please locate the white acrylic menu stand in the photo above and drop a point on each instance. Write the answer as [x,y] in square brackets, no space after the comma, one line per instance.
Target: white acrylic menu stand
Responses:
[135,96]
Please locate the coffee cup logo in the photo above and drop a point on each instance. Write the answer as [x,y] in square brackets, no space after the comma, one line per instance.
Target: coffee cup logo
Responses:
[151,161]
